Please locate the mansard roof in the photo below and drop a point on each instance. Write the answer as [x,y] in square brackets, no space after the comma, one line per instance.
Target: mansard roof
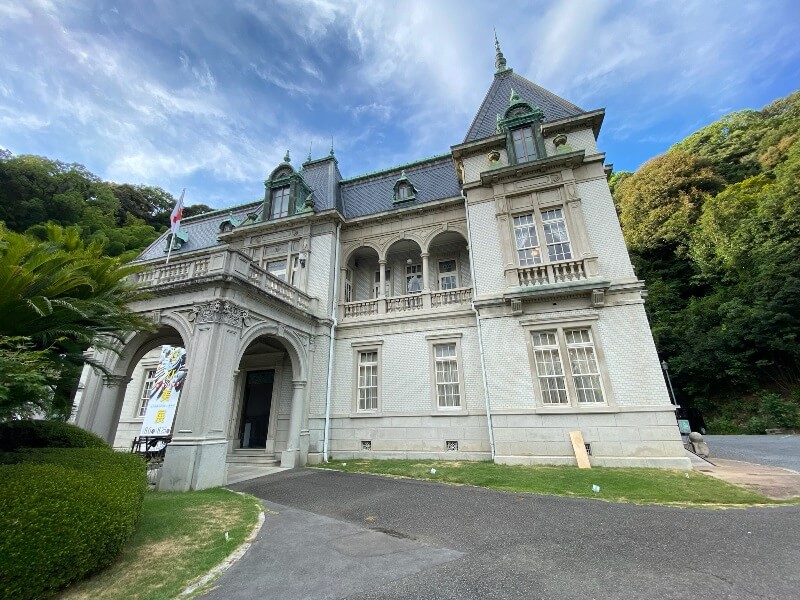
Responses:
[433,179]
[203,231]
[496,102]
[323,177]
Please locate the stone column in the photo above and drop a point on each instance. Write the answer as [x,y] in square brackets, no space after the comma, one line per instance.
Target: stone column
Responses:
[425,284]
[290,458]
[195,459]
[101,405]
[382,281]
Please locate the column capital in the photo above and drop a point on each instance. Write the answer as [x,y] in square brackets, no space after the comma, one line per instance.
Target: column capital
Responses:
[298,384]
[381,261]
[425,254]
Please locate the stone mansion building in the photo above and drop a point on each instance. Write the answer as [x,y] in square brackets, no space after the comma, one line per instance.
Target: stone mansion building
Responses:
[478,305]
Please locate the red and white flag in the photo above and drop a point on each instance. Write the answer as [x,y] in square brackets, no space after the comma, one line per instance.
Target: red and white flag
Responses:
[177,213]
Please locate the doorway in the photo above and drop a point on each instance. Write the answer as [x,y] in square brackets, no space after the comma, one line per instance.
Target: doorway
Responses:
[256,408]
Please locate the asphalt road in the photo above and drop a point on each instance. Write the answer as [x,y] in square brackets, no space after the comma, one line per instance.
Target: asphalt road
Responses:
[494,545]
[774,450]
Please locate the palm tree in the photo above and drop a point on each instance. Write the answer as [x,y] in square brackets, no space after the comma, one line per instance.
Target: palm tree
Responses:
[61,296]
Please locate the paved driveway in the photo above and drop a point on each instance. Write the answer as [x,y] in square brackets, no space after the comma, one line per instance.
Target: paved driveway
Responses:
[775,450]
[491,545]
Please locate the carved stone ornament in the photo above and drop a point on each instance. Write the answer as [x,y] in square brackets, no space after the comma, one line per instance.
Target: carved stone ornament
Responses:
[220,311]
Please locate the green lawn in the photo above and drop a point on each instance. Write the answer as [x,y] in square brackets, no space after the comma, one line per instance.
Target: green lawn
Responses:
[180,538]
[645,486]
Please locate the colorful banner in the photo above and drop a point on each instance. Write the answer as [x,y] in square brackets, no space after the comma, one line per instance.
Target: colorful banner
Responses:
[165,393]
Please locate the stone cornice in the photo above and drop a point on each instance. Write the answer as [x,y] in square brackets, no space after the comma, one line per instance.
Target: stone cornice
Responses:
[489,143]
[544,165]
[593,119]
[293,222]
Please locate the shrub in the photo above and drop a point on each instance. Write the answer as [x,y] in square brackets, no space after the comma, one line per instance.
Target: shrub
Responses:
[780,412]
[46,434]
[64,514]
[723,426]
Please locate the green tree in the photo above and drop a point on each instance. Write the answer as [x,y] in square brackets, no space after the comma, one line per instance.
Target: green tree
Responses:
[62,296]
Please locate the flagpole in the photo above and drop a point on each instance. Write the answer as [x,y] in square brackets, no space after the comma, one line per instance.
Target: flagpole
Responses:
[175,223]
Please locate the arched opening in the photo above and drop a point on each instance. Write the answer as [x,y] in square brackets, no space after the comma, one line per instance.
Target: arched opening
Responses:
[361,276]
[404,261]
[449,262]
[263,396]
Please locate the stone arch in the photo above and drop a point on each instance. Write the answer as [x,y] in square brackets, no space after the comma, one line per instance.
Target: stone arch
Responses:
[353,247]
[289,339]
[388,242]
[459,228]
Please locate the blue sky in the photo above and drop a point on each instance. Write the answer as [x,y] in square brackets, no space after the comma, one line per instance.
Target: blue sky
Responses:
[209,95]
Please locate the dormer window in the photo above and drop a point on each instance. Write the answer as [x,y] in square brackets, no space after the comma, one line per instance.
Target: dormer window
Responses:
[404,190]
[279,206]
[524,145]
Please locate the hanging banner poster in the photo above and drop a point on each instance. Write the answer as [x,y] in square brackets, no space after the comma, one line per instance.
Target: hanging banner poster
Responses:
[165,393]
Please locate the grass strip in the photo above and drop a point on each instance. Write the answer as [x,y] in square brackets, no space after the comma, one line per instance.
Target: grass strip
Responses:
[639,486]
[180,537]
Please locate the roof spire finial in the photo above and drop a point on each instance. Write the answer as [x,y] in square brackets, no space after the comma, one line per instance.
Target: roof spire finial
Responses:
[286,158]
[499,59]
[514,97]
[331,145]
[310,145]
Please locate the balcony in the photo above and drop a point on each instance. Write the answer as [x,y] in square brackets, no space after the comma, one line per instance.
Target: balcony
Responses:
[409,304]
[563,272]
[226,264]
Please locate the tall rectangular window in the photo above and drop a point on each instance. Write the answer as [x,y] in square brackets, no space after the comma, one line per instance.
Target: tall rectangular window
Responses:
[448,274]
[147,388]
[413,279]
[583,363]
[280,203]
[348,285]
[555,235]
[368,380]
[527,240]
[445,359]
[549,369]
[376,288]
[524,146]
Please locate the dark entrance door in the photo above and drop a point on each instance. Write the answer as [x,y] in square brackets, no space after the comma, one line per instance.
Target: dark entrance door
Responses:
[255,412]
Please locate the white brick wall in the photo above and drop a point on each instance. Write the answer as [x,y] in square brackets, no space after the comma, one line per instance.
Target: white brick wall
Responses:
[631,358]
[406,373]
[475,165]
[583,139]
[603,229]
[508,368]
[319,377]
[321,267]
[486,252]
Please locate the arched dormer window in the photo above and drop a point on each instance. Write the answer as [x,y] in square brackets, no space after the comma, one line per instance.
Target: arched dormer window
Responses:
[404,190]
[522,124]
[286,194]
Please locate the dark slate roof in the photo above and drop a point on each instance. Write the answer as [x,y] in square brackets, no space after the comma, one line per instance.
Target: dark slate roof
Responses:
[323,177]
[202,229]
[434,179]
[496,102]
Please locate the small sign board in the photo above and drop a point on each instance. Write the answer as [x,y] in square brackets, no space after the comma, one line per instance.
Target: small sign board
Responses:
[165,393]
[684,427]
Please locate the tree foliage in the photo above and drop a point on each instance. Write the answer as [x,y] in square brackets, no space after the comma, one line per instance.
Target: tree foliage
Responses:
[60,296]
[714,228]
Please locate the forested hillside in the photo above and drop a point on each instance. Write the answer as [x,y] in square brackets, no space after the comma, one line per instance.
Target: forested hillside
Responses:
[124,218]
[713,227]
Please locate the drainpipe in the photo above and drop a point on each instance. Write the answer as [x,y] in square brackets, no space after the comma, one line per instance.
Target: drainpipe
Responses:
[478,319]
[334,308]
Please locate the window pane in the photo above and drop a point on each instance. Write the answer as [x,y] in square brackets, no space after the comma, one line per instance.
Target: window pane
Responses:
[446,373]
[277,268]
[149,380]
[555,235]
[583,365]
[368,380]
[549,370]
[527,240]
[524,147]
[280,203]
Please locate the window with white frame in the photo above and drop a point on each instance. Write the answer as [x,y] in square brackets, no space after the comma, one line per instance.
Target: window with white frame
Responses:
[524,145]
[147,388]
[413,279]
[294,274]
[448,388]
[582,382]
[279,206]
[527,240]
[368,366]
[555,235]
[448,274]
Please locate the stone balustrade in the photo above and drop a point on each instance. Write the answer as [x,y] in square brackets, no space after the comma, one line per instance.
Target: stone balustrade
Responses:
[231,263]
[560,272]
[423,302]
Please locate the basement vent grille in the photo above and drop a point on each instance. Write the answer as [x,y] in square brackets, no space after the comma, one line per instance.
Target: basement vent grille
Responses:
[451,446]
[588,449]
[366,444]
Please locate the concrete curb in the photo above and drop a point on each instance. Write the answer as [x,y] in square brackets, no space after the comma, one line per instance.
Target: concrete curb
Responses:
[231,559]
